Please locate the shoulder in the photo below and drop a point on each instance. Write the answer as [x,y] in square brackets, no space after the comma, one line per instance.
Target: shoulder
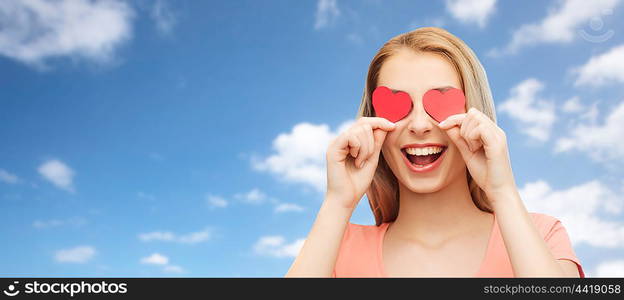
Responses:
[540,219]
[546,224]
[363,233]
[557,238]
[359,251]
[360,237]
[364,229]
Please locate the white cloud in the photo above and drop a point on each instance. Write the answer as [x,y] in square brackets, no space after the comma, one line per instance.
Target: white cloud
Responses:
[155,259]
[276,246]
[471,11]
[7,177]
[161,260]
[561,24]
[167,236]
[580,112]
[534,115]
[173,269]
[614,268]
[47,224]
[216,201]
[288,207]
[581,209]
[58,173]
[195,237]
[602,142]
[163,17]
[75,221]
[254,196]
[572,105]
[355,38]
[300,154]
[36,30]
[79,254]
[590,114]
[430,21]
[163,236]
[326,12]
[602,69]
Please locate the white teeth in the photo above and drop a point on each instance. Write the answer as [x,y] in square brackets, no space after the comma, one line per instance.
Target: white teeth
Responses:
[423,151]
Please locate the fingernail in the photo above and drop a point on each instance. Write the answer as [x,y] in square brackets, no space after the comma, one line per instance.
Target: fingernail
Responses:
[390,123]
[362,164]
[441,124]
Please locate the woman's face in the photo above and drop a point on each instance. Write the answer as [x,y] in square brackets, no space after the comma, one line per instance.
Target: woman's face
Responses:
[417,134]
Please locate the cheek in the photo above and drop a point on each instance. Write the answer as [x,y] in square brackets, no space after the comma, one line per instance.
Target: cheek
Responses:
[390,150]
[389,142]
[456,163]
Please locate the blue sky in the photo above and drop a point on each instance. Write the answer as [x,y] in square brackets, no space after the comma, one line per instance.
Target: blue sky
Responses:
[187,138]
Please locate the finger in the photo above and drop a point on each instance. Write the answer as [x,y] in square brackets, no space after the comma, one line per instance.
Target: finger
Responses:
[371,142]
[380,137]
[490,131]
[354,145]
[480,115]
[463,127]
[377,122]
[452,121]
[488,135]
[460,142]
[364,146]
[469,123]
[474,134]
[474,137]
[340,143]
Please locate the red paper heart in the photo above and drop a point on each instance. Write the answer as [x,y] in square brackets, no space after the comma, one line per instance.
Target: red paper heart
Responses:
[442,105]
[389,105]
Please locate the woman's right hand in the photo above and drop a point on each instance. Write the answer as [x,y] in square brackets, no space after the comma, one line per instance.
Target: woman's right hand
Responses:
[352,159]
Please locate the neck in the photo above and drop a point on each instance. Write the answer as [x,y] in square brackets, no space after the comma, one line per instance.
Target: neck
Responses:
[437,216]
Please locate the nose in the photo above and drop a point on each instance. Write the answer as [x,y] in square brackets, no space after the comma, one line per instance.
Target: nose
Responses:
[419,121]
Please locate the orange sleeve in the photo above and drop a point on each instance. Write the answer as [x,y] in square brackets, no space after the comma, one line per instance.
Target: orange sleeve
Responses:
[343,241]
[560,246]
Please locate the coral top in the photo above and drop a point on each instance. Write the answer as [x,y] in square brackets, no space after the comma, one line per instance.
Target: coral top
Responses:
[361,247]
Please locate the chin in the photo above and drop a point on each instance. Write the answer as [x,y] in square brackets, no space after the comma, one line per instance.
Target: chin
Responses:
[424,185]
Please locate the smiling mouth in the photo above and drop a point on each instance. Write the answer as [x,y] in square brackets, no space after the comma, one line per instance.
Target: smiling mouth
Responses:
[420,157]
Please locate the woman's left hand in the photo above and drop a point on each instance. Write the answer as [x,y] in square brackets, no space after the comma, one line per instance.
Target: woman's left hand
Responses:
[483,146]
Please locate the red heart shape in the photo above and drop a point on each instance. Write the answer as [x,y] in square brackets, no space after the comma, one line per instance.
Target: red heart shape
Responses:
[442,105]
[389,105]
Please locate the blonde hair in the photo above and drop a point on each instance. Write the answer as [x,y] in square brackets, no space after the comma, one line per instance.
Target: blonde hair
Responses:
[383,193]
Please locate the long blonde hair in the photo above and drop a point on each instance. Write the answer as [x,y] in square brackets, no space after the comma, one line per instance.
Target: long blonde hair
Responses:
[383,194]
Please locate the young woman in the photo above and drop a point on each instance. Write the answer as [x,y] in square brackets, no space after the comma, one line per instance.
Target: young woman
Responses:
[443,194]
